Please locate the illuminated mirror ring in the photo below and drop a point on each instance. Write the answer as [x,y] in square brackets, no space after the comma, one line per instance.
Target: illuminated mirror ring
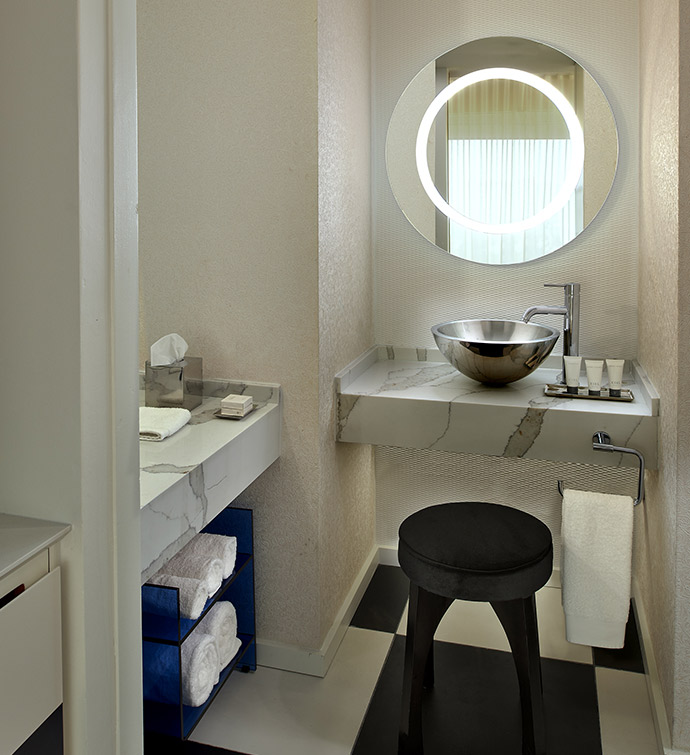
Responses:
[572,122]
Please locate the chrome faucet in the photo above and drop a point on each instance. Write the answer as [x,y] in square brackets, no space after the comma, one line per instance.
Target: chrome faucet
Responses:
[570,310]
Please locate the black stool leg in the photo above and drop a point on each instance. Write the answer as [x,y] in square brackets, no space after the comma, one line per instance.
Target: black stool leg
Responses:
[425,611]
[519,620]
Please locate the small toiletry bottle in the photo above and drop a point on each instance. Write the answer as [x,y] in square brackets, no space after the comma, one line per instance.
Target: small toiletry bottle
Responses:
[572,373]
[594,369]
[614,367]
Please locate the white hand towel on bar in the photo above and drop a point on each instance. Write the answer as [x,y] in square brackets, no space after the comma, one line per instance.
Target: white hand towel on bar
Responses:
[188,562]
[221,622]
[200,668]
[223,547]
[158,423]
[193,593]
[596,556]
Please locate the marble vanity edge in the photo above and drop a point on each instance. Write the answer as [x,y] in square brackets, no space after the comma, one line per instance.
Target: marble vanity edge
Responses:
[379,353]
[357,367]
[176,514]
[262,393]
[365,416]
[650,394]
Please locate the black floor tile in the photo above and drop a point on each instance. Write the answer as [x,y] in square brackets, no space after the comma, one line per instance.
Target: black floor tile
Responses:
[474,707]
[383,603]
[159,744]
[627,658]
[47,739]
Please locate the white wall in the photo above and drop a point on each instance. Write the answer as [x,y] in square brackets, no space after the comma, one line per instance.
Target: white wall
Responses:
[59,458]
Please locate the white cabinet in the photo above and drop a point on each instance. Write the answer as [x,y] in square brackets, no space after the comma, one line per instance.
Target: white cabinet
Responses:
[30,637]
[30,656]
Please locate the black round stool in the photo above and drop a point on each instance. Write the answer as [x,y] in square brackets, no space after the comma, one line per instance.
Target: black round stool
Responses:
[481,552]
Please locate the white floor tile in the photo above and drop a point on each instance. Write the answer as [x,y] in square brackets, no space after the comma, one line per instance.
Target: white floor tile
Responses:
[625,715]
[551,619]
[272,711]
[475,623]
[468,623]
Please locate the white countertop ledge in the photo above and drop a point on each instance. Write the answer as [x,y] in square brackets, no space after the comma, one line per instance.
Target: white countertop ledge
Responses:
[23,537]
[412,398]
[187,479]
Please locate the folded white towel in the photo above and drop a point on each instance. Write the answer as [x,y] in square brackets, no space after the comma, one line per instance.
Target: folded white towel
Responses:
[158,423]
[200,668]
[223,547]
[221,622]
[193,593]
[596,542]
[188,562]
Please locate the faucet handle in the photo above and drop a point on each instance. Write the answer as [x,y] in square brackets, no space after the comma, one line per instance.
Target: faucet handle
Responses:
[561,285]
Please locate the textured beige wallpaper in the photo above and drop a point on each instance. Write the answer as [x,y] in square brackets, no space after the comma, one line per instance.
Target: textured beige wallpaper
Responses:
[255,246]
[417,285]
[347,502]
[229,247]
[681,730]
[663,273]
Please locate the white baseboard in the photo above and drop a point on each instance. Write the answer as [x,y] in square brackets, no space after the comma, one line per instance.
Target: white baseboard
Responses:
[388,556]
[656,700]
[317,662]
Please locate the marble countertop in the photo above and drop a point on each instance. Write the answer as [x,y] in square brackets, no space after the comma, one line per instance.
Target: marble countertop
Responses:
[189,478]
[22,537]
[166,463]
[412,398]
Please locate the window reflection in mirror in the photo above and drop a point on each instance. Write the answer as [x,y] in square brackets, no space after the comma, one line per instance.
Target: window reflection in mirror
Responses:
[499,151]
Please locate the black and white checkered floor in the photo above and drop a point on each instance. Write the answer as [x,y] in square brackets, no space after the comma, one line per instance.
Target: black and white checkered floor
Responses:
[596,701]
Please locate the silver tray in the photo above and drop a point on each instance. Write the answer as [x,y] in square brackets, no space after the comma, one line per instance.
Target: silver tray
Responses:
[561,391]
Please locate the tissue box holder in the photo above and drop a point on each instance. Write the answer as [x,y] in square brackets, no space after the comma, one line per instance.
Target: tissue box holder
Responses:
[175,385]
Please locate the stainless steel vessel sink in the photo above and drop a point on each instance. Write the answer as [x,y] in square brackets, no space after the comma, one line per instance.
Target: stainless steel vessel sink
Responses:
[494,351]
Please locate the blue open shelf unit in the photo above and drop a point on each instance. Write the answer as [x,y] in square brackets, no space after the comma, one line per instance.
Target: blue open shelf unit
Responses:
[165,630]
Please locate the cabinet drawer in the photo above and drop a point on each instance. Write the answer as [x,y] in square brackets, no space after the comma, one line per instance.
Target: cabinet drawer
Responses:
[30,660]
[26,574]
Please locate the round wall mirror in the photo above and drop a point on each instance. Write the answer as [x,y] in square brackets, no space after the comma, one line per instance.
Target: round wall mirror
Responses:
[502,150]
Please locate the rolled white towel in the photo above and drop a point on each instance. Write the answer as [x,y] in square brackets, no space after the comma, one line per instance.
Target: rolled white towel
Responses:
[196,663]
[221,623]
[193,593]
[158,423]
[223,547]
[200,668]
[189,563]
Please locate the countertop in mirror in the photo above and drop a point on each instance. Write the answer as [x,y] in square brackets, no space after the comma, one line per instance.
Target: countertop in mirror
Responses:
[412,398]
[189,478]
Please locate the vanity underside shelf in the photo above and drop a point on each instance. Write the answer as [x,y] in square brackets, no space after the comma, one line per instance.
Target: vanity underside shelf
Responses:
[166,630]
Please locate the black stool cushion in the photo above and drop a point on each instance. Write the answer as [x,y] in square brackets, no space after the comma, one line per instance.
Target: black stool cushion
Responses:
[476,551]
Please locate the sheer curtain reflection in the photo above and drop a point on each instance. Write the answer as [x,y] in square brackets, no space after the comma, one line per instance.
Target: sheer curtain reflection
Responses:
[508,152]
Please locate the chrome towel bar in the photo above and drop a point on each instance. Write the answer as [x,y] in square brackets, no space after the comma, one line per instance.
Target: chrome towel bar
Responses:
[601,441]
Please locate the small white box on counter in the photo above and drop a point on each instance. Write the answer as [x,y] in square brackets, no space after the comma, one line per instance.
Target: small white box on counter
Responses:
[236,405]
